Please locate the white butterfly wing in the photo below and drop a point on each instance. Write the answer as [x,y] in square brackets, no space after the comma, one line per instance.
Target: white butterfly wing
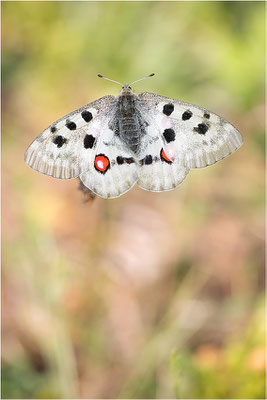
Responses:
[114,170]
[159,171]
[65,148]
[194,136]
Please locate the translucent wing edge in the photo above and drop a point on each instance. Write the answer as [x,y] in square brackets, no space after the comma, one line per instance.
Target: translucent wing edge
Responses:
[204,159]
[57,169]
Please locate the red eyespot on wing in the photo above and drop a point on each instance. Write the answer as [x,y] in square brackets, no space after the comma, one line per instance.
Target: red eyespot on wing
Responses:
[102,163]
[164,157]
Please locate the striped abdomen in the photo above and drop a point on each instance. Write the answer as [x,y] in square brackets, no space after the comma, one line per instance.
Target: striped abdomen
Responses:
[130,132]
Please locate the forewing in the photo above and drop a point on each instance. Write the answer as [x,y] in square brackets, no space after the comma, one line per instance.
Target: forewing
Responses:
[195,136]
[65,148]
[114,170]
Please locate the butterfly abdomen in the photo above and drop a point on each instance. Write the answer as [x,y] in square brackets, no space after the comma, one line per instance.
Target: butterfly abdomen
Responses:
[130,132]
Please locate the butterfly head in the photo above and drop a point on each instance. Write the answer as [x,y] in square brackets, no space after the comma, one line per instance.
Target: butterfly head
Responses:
[125,88]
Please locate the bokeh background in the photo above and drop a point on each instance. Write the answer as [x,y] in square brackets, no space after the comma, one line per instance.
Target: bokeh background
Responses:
[151,295]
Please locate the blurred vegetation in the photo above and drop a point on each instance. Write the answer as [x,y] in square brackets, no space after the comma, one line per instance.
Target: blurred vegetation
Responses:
[152,295]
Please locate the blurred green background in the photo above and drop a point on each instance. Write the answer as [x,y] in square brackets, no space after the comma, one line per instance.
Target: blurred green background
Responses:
[151,295]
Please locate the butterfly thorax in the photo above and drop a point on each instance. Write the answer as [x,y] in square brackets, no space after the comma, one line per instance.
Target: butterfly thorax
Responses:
[128,122]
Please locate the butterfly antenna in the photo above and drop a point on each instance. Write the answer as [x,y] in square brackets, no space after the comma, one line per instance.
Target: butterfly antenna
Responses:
[111,80]
[138,80]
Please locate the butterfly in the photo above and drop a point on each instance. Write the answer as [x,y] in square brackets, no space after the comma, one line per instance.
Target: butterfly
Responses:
[117,141]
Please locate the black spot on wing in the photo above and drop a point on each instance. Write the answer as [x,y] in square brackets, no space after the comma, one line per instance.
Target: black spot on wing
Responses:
[53,129]
[201,129]
[206,115]
[147,160]
[86,115]
[59,141]
[168,109]
[88,141]
[70,125]
[187,115]
[121,160]
[169,135]
[129,160]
